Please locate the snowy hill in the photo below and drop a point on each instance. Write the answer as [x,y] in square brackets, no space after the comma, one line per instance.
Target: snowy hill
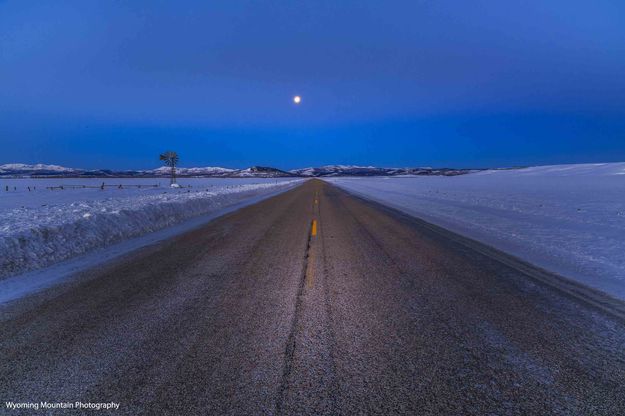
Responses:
[203,171]
[210,171]
[20,170]
[583,169]
[262,172]
[350,170]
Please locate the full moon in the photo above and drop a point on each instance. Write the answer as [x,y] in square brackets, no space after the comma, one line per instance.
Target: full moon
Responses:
[297,99]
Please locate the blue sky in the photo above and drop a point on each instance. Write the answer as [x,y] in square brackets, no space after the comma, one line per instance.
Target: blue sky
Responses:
[97,84]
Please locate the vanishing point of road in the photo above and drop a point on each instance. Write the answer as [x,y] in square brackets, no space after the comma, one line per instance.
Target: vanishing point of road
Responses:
[317,302]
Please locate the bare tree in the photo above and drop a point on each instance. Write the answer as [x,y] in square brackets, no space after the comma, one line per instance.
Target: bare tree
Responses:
[170,159]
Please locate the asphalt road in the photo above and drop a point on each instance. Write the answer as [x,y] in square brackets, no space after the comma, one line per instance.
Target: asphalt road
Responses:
[315,302]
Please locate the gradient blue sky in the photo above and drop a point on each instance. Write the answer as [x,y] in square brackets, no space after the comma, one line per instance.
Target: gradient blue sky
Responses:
[97,84]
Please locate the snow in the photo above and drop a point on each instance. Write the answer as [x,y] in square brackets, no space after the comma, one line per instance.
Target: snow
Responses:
[18,167]
[18,286]
[208,170]
[43,226]
[38,166]
[21,170]
[569,219]
[311,171]
[353,170]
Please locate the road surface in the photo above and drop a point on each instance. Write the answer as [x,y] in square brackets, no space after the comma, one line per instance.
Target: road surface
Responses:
[314,302]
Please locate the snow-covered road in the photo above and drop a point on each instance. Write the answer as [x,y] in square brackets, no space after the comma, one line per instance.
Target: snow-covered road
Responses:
[569,219]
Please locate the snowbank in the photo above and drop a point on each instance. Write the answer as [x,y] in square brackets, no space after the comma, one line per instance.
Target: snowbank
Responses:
[43,226]
[569,219]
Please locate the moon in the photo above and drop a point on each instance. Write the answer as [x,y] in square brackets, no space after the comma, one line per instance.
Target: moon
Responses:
[297,99]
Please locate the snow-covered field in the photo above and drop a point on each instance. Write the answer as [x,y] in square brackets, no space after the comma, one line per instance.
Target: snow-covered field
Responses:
[41,226]
[569,219]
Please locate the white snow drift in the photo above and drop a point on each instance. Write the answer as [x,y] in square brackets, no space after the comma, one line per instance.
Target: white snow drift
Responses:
[569,219]
[40,226]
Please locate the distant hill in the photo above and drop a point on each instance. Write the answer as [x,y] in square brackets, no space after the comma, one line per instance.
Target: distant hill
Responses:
[349,170]
[21,170]
[263,172]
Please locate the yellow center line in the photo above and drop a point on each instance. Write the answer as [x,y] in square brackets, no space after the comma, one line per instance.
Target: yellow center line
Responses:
[310,268]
